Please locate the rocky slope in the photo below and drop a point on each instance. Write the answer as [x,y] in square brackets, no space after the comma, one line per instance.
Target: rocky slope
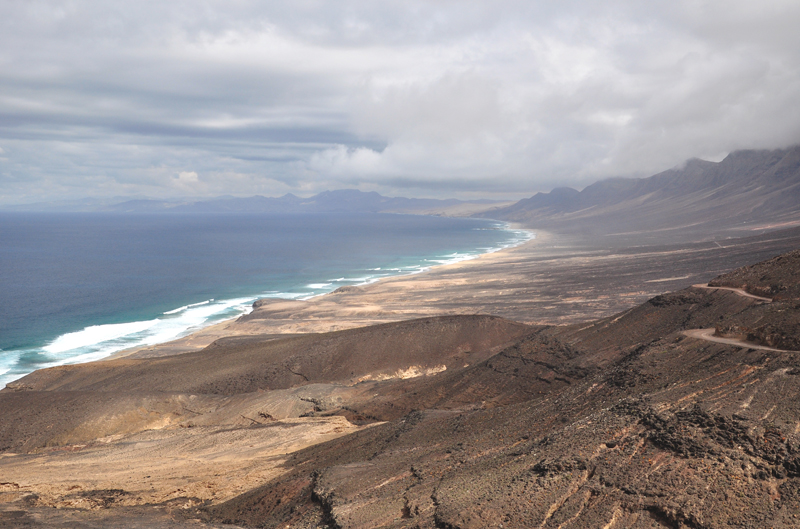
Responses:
[747,189]
[622,423]
[777,278]
[453,422]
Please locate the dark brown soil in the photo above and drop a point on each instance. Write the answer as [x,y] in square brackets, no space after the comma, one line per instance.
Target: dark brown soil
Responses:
[623,423]
[237,365]
[619,422]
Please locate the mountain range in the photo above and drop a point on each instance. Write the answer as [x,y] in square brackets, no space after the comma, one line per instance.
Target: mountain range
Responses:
[746,191]
[749,190]
[342,200]
[679,411]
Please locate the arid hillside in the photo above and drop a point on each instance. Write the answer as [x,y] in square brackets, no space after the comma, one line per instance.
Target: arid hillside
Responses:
[625,422]
[683,412]
[746,190]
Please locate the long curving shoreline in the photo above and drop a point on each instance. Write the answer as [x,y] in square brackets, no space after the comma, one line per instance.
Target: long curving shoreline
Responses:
[551,279]
[203,434]
[124,330]
[433,291]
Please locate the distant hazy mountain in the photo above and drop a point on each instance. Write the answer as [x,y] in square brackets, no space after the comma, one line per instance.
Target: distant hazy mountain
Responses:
[255,204]
[344,200]
[748,190]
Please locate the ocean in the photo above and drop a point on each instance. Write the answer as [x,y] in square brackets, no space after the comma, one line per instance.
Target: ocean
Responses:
[79,287]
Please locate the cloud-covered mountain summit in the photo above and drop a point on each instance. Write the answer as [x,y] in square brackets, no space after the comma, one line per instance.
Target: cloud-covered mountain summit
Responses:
[748,190]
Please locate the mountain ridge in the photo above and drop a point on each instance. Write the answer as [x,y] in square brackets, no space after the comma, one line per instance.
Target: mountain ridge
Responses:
[748,189]
[625,421]
[339,201]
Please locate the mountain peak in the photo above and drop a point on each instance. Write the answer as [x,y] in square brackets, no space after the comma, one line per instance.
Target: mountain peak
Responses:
[746,190]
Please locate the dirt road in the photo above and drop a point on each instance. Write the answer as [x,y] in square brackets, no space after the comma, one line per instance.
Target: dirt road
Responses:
[738,291]
[708,334]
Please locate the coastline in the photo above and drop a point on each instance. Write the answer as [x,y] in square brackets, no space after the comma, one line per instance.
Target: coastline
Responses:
[550,280]
[345,308]
[118,335]
[202,434]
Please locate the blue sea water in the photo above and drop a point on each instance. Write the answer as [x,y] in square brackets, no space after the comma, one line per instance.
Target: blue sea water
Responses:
[78,287]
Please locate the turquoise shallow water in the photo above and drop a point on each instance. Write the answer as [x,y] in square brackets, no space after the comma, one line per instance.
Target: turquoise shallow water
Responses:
[78,287]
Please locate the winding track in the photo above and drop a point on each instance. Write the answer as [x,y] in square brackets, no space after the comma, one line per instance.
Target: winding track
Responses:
[738,291]
[708,334]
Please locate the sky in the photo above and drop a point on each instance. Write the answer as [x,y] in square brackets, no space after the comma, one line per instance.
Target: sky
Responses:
[437,98]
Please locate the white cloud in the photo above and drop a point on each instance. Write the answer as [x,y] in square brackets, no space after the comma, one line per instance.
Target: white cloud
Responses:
[505,97]
[187,177]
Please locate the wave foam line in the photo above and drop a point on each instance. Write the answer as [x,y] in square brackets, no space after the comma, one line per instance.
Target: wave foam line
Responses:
[284,295]
[181,309]
[96,334]
[99,341]
[517,238]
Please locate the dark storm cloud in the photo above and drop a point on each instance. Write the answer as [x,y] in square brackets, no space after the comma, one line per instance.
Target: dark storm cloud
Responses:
[434,98]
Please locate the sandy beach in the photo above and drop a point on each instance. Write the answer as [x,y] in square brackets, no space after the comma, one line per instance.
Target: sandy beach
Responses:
[552,279]
[182,432]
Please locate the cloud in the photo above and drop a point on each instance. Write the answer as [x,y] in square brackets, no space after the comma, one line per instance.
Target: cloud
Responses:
[436,98]
[187,177]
